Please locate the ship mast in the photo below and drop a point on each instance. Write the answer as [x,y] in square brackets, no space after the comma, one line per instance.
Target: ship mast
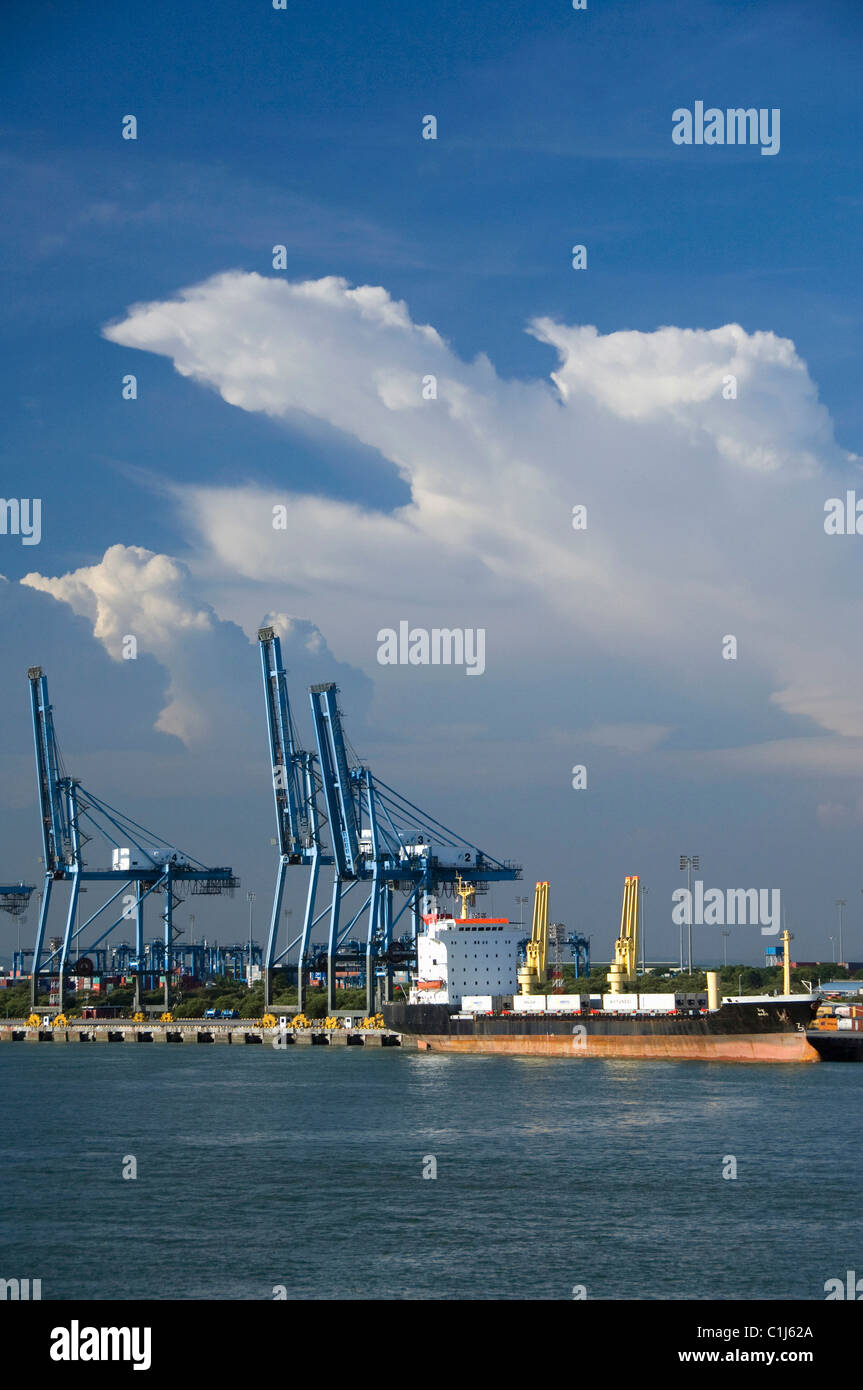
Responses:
[467,893]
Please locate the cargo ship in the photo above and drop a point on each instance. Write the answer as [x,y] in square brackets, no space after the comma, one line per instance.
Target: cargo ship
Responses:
[471,995]
[755,1030]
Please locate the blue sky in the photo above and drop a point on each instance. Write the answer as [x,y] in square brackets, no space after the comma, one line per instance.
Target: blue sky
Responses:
[302,127]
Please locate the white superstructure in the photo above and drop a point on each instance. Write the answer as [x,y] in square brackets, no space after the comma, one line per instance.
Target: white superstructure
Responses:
[458,957]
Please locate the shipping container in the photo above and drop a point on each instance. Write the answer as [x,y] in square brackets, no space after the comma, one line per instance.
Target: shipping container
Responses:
[477,1003]
[486,1003]
[657,1003]
[529,1004]
[620,1003]
[566,1003]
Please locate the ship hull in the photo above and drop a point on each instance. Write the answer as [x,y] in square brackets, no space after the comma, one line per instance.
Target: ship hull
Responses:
[745,1048]
[734,1033]
[837,1047]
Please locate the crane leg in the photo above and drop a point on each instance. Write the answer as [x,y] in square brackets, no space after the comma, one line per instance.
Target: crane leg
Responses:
[374,916]
[311,898]
[274,932]
[166,917]
[331,945]
[40,937]
[67,938]
[387,912]
[139,947]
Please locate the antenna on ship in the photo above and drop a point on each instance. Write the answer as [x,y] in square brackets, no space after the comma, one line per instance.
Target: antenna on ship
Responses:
[467,893]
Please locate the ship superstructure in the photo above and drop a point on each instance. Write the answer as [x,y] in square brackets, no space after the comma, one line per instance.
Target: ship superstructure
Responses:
[462,958]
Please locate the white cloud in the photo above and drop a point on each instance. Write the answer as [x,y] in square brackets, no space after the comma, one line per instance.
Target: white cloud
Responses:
[704,514]
[131,590]
[679,374]
[213,692]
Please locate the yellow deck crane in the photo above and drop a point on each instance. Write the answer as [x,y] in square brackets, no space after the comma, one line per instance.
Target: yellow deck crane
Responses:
[623,969]
[531,975]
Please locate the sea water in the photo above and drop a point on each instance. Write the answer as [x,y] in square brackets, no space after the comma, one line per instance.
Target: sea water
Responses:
[317,1173]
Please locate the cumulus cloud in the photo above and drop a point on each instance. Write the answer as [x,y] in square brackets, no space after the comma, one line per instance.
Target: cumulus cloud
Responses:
[213,692]
[705,514]
[689,376]
[133,593]
[131,590]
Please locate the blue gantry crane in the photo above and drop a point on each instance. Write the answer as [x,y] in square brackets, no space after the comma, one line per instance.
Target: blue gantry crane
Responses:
[142,864]
[332,812]
[580,947]
[296,788]
[566,946]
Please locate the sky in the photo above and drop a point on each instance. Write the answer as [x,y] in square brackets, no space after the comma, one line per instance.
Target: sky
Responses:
[301,387]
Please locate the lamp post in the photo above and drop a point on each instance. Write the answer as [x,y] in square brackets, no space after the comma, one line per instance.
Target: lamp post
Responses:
[831,939]
[841,905]
[250,898]
[688,862]
[725,936]
[289,912]
[521,902]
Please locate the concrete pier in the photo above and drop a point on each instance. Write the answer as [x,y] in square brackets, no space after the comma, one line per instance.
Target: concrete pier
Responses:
[239,1033]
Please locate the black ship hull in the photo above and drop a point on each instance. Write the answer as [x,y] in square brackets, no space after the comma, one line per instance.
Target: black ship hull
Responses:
[838,1046]
[767,1031]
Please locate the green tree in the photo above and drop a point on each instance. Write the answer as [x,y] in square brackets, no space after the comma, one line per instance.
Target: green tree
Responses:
[316,1003]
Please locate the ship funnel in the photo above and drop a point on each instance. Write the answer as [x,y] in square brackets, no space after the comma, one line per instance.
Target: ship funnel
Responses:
[712,989]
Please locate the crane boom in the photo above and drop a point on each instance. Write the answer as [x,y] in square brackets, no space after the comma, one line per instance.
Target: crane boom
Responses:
[338,789]
[53,810]
[533,973]
[624,966]
[286,759]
